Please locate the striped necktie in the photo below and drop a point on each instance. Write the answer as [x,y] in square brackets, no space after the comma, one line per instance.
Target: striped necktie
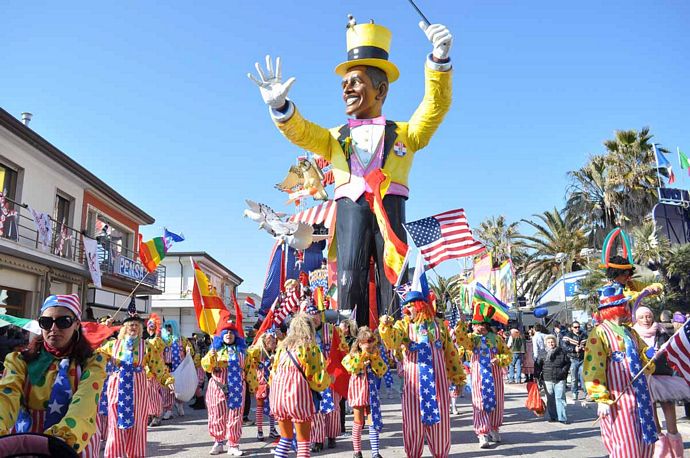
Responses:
[642,397]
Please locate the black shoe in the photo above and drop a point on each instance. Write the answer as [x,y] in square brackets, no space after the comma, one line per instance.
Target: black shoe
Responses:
[378,455]
[316,447]
[331,442]
[357,455]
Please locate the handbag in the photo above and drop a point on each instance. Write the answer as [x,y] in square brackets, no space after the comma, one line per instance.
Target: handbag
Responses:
[316,396]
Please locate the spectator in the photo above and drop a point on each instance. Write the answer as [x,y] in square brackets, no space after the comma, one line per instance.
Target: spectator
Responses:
[555,364]
[538,347]
[528,362]
[516,343]
[573,343]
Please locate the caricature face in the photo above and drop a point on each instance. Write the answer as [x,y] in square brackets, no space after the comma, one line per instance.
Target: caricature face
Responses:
[362,99]
[132,328]
[480,328]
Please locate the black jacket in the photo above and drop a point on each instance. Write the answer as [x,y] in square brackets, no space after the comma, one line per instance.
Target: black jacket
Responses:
[568,342]
[555,367]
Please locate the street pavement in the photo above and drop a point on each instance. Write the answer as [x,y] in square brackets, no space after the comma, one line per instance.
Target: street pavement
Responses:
[523,434]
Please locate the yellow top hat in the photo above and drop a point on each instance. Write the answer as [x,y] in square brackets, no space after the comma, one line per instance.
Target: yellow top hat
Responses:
[368,44]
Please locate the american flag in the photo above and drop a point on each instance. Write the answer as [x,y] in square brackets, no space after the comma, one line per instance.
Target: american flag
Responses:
[678,351]
[444,236]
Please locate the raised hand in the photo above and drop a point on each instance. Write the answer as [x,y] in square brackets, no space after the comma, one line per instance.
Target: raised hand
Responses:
[440,37]
[273,90]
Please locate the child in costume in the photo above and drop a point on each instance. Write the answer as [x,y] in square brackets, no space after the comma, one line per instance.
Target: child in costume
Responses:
[155,390]
[326,421]
[429,355]
[175,349]
[131,355]
[366,367]
[225,394]
[613,356]
[261,355]
[53,386]
[298,370]
[489,355]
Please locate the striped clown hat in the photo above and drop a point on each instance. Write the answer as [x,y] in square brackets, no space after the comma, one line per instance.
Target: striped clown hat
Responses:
[68,301]
[612,295]
[311,310]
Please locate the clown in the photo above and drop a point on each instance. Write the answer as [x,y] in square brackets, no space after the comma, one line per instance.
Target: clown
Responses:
[53,386]
[429,356]
[175,349]
[261,356]
[365,144]
[613,356]
[326,422]
[131,355]
[489,355]
[155,390]
[225,361]
[366,367]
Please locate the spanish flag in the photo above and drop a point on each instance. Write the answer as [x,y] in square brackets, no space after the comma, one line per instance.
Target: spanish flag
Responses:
[207,304]
[394,249]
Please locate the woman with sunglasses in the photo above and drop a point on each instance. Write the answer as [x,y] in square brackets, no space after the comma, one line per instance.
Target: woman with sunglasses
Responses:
[366,367]
[53,386]
[131,357]
[429,356]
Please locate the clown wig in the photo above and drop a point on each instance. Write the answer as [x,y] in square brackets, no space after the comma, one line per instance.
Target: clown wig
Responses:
[155,321]
[300,332]
[425,311]
[240,343]
[611,313]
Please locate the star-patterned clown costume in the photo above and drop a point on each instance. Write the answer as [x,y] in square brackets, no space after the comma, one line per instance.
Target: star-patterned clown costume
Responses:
[425,340]
[53,390]
[489,355]
[128,393]
[229,368]
[607,368]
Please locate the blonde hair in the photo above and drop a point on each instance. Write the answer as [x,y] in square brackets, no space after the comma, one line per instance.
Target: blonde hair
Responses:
[551,337]
[121,334]
[351,327]
[261,344]
[364,333]
[300,332]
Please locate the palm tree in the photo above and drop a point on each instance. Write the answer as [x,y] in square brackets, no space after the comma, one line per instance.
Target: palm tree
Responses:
[555,247]
[498,237]
[650,249]
[440,287]
[632,175]
[590,199]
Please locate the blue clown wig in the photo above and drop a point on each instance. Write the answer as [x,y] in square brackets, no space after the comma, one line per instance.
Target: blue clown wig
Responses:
[169,337]
[240,343]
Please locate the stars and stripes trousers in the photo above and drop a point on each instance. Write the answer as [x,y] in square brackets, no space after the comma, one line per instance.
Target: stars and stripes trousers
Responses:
[414,431]
[129,442]
[290,396]
[168,399]
[621,429]
[332,419]
[486,421]
[318,428]
[155,399]
[223,423]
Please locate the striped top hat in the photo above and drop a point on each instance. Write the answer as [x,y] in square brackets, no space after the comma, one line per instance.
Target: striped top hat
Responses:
[368,44]
[612,295]
[69,301]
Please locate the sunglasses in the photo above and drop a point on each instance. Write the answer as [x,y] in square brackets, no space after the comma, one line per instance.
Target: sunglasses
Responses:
[62,322]
[369,341]
[576,327]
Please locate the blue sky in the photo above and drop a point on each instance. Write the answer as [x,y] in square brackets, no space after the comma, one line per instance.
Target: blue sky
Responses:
[153,98]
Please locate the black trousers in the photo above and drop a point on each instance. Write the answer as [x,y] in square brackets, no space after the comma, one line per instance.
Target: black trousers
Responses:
[358,240]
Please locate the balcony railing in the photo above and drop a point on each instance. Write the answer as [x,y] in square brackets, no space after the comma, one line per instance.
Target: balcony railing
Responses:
[65,243]
[123,262]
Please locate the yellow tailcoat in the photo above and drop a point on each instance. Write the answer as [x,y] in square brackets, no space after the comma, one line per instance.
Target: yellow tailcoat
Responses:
[414,134]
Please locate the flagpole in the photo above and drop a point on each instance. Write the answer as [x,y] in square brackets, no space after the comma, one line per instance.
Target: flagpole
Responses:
[656,159]
[388,309]
[129,296]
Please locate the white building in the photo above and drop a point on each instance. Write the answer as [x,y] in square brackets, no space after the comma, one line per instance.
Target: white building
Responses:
[35,174]
[176,301]
[250,314]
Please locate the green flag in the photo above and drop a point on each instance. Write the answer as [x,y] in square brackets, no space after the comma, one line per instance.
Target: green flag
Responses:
[683,159]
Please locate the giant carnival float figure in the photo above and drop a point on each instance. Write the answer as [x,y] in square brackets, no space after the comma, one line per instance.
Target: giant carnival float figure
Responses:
[367,143]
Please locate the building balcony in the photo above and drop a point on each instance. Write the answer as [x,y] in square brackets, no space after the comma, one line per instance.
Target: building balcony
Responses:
[120,264]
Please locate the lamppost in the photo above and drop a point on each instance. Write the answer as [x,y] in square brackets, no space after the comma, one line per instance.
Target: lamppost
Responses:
[562,258]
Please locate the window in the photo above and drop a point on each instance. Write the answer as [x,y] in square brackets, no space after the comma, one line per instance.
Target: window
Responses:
[63,234]
[13,300]
[8,187]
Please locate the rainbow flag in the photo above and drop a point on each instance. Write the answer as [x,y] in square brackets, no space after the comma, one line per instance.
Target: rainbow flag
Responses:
[207,304]
[151,253]
[489,305]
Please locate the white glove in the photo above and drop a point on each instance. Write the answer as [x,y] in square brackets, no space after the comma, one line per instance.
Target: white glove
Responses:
[603,410]
[273,91]
[440,37]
